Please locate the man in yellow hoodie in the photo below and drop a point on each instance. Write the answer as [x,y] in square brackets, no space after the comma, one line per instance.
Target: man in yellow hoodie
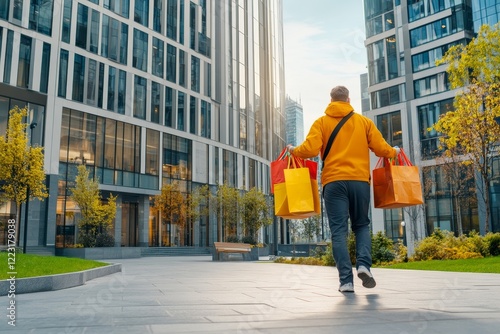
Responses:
[346,181]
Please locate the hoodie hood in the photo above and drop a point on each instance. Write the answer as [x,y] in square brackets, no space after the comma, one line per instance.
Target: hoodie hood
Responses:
[338,109]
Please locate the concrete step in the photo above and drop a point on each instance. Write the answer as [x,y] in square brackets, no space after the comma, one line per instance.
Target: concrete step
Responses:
[41,250]
[175,251]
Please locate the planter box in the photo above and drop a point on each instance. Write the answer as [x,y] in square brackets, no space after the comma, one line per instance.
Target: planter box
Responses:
[100,253]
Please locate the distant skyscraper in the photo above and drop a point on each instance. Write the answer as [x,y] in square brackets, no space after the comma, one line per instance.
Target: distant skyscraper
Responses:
[294,120]
[365,96]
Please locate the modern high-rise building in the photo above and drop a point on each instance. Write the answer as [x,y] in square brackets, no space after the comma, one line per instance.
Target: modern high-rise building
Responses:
[143,93]
[408,93]
[294,120]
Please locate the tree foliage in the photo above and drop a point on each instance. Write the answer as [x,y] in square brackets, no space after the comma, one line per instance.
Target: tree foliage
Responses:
[21,165]
[227,202]
[471,126]
[96,216]
[254,212]
[172,205]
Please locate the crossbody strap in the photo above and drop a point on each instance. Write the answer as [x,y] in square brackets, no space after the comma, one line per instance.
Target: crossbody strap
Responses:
[334,134]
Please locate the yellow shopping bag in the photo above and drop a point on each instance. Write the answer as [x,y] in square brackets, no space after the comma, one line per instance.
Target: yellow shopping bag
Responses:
[299,190]
[284,212]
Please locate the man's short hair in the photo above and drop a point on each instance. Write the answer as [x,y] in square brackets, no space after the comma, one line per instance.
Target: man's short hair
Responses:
[339,93]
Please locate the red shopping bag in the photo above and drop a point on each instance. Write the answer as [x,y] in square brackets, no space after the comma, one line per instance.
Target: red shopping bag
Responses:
[282,162]
[396,183]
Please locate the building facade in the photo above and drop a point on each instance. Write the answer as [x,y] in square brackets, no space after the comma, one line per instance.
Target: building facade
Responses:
[294,120]
[408,93]
[143,93]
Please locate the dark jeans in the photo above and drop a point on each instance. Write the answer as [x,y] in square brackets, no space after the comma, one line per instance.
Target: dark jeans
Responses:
[344,199]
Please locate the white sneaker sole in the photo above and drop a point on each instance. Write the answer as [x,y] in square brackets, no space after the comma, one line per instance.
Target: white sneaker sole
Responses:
[368,281]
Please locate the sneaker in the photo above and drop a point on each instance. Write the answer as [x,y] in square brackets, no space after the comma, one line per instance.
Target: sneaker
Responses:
[366,276]
[347,287]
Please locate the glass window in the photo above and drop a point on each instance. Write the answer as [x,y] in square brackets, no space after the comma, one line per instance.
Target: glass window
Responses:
[140,56]
[119,146]
[171,62]
[172,19]
[192,25]
[4,10]
[427,59]
[169,96]
[24,66]
[81,26]
[114,39]
[230,168]
[92,84]
[110,144]
[40,18]
[392,57]
[8,57]
[431,85]
[17,12]
[152,151]
[63,73]
[122,91]
[180,111]
[388,96]
[192,115]
[205,120]
[66,21]
[94,32]
[141,12]
[124,44]
[140,90]
[78,78]
[376,66]
[120,7]
[111,88]
[182,68]
[428,115]
[181,22]
[390,127]
[155,102]
[158,59]
[131,148]
[208,79]
[45,70]
[195,74]
[101,85]
[157,15]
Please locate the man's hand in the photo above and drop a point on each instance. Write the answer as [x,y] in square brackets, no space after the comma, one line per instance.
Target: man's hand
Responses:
[398,150]
[290,148]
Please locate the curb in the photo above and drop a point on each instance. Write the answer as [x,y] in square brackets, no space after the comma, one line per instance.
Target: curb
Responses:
[56,282]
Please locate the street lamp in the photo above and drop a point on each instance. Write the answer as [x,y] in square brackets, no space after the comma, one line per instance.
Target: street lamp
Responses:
[25,234]
[403,225]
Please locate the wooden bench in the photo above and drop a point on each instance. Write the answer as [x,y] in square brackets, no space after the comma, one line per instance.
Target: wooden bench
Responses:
[231,247]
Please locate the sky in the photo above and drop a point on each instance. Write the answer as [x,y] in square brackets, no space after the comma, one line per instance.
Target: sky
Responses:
[324,48]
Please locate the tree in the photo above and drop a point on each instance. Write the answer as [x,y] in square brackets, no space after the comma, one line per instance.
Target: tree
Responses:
[21,165]
[198,203]
[471,126]
[227,201]
[254,212]
[172,205]
[311,227]
[96,216]
[458,176]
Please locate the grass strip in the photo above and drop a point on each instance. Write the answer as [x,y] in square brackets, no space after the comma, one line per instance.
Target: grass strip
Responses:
[484,265]
[30,265]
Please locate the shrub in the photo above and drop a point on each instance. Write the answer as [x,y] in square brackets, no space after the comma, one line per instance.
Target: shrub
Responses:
[443,245]
[400,252]
[249,240]
[104,240]
[492,241]
[327,258]
[232,238]
[382,248]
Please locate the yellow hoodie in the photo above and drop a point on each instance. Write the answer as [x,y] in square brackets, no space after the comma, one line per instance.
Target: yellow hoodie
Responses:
[349,157]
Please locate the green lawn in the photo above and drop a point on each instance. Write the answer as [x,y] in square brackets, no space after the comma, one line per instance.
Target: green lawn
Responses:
[485,265]
[28,265]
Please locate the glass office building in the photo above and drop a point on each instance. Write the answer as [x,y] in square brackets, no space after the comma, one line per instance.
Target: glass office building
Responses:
[144,93]
[408,93]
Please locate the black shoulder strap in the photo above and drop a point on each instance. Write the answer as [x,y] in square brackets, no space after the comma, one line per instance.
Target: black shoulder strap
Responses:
[334,134]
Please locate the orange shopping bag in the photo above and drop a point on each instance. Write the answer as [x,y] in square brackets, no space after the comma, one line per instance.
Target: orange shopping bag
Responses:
[396,186]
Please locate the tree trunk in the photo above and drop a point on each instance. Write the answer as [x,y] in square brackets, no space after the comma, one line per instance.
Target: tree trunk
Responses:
[18,224]
[459,216]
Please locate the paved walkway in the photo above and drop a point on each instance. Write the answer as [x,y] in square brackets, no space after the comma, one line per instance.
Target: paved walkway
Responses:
[196,295]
